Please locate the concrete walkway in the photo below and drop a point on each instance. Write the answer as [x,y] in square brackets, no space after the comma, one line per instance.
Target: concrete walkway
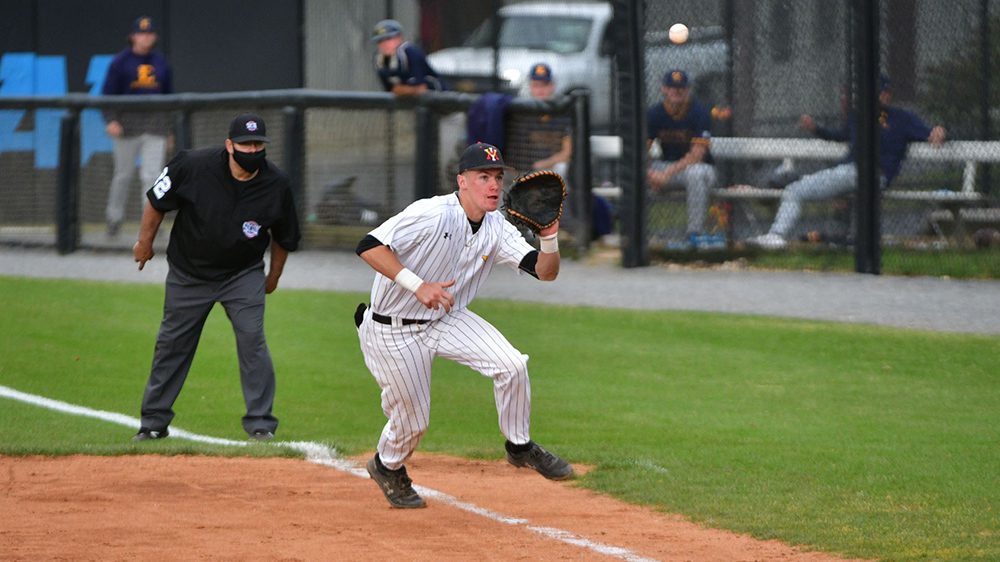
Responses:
[921,303]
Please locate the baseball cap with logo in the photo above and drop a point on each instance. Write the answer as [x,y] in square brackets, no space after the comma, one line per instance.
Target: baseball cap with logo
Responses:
[143,24]
[675,79]
[541,72]
[247,127]
[386,29]
[480,156]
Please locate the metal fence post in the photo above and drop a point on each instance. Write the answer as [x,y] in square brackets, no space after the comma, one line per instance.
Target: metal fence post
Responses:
[868,241]
[68,186]
[424,160]
[580,172]
[295,154]
[628,34]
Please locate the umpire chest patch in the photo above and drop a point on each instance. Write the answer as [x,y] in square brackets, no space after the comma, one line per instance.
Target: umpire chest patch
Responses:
[251,229]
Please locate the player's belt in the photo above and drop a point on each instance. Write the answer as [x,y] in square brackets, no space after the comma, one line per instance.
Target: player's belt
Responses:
[387,320]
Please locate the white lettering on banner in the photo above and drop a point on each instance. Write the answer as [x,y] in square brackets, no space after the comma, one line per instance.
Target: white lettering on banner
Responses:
[162,184]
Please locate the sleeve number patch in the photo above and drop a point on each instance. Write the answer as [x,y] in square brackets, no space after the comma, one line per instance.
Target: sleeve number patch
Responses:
[162,184]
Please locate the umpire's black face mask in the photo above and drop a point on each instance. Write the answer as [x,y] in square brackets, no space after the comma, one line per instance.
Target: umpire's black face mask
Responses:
[249,161]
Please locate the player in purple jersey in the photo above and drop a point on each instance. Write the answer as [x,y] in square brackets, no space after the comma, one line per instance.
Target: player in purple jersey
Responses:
[137,70]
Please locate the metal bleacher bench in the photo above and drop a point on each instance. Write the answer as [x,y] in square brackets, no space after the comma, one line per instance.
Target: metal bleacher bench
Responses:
[788,150]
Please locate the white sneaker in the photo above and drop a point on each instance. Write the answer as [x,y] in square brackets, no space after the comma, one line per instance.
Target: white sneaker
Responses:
[768,241]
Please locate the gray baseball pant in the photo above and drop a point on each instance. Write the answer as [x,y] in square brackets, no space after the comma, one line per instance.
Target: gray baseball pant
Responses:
[152,151]
[186,306]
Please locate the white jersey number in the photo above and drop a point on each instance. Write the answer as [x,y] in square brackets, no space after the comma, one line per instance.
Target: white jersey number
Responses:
[162,184]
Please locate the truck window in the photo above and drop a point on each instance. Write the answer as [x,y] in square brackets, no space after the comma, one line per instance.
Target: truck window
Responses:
[562,35]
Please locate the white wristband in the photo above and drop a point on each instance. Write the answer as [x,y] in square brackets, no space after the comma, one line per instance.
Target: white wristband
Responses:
[408,280]
[549,244]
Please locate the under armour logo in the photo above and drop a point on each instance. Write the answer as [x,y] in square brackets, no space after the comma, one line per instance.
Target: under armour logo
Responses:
[447,235]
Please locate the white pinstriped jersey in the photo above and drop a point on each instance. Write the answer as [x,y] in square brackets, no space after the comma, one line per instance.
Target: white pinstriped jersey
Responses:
[433,239]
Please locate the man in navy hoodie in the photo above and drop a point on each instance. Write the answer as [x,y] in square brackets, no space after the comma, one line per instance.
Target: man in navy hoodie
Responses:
[137,70]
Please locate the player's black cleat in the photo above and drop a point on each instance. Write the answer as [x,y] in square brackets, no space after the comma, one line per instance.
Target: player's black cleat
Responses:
[546,463]
[395,485]
[261,435]
[146,434]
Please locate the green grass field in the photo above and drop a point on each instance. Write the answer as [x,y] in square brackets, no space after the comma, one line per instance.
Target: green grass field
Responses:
[867,441]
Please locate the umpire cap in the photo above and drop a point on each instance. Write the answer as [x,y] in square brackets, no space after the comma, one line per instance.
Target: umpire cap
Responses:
[480,156]
[386,29]
[247,127]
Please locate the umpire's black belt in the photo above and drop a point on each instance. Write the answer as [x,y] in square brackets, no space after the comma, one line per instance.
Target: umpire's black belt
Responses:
[383,319]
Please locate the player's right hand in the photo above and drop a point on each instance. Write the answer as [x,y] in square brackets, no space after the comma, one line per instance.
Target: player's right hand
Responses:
[142,253]
[433,294]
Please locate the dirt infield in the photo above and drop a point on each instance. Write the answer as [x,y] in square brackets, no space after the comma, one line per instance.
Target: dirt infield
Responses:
[184,508]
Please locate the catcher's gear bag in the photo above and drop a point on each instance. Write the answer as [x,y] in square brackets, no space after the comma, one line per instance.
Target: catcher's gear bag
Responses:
[535,200]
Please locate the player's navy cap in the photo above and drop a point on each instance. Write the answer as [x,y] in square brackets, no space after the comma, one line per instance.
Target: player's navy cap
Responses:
[883,83]
[541,72]
[247,127]
[143,24]
[675,79]
[386,29]
[480,156]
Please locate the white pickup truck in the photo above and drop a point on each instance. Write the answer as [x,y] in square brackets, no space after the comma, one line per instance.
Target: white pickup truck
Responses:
[574,38]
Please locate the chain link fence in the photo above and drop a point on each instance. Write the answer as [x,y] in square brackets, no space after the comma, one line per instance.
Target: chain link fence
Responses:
[760,67]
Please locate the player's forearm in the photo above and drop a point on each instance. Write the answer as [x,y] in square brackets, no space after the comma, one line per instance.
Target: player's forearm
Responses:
[547,267]
[279,256]
[151,219]
[383,260]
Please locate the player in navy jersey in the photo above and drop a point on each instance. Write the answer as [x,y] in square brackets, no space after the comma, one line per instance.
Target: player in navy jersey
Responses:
[682,128]
[897,129]
[430,261]
[136,71]
[402,66]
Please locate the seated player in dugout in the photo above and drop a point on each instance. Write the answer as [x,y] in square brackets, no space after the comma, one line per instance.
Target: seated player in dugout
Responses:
[402,67]
[551,135]
[682,127]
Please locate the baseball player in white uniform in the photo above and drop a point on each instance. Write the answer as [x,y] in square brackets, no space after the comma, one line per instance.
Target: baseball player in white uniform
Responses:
[430,260]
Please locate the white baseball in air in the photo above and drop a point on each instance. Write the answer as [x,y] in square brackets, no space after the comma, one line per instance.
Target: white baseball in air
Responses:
[678,33]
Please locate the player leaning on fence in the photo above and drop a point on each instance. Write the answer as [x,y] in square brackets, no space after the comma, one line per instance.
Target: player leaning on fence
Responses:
[232,205]
[897,129]
[430,261]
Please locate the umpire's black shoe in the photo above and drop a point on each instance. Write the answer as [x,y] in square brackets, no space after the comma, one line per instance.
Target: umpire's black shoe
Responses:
[534,456]
[146,434]
[261,435]
[395,485]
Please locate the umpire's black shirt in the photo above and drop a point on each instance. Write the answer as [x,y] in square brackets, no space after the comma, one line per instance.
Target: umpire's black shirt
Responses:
[223,226]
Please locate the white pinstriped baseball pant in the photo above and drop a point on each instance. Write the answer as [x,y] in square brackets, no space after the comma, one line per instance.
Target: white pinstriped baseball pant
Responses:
[400,357]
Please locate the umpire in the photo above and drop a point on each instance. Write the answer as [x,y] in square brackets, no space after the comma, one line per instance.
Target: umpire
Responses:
[231,205]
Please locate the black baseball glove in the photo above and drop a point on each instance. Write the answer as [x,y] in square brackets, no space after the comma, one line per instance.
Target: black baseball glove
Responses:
[535,200]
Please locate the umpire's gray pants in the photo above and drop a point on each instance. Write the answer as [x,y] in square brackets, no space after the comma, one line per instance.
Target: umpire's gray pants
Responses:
[186,306]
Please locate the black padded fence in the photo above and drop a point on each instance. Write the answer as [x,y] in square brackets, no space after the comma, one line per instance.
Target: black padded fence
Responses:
[354,158]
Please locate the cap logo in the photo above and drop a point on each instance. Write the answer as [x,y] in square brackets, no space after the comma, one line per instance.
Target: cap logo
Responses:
[541,71]
[144,24]
[491,154]
[676,76]
[251,126]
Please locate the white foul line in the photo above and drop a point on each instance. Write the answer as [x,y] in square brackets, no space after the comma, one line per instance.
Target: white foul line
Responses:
[321,454]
